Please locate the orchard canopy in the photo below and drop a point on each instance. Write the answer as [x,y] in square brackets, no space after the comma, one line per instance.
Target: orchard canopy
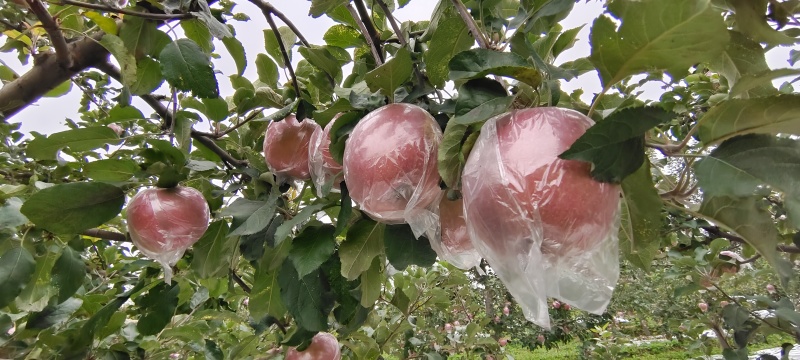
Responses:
[706,170]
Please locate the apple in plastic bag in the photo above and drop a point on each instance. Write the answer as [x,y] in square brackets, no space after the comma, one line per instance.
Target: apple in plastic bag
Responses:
[323,347]
[322,165]
[163,223]
[390,162]
[456,246]
[286,148]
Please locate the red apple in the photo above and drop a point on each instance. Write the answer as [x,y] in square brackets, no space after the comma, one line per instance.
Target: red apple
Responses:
[506,311]
[454,227]
[286,148]
[567,307]
[390,162]
[770,288]
[703,306]
[456,323]
[503,342]
[540,339]
[448,327]
[323,347]
[322,165]
[163,223]
[556,304]
[117,128]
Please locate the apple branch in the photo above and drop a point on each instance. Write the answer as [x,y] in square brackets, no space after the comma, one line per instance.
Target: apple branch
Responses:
[471,24]
[392,22]
[284,52]
[63,55]
[716,231]
[238,280]
[107,8]
[376,53]
[268,8]
[105,234]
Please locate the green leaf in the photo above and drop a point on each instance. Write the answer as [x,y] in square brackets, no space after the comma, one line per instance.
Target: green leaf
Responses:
[345,212]
[640,223]
[450,159]
[391,75]
[615,146]
[288,38]
[285,229]
[142,37]
[105,23]
[312,248]
[751,21]
[266,69]
[53,315]
[364,242]
[187,67]
[656,35]
[265,297]
[215,27]
[78,140]
[740,166]
[148,77]
[157,308]
[216,109]
[745,217]
[59,90]
[741,57]
[127,61]
[485,111]
[250,217]
[450,38]
[321,58]
[236,49]
[16,269]
[760,80]
[477,63]
[474,93]
[74,207]
[372,283]
[68,273]
[198,32]
[770,115]
[305,297]
[403,249]
[38,291]
[343,36]
[110,169]
[10,215]
[319,7]
[78,343]
[214,251]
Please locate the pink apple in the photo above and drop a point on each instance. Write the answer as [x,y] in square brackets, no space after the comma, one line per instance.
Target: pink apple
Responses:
[506,310]
[556,304]
[540,338]
[703,306]
[448,327]
[286,148]
[770,288]
[323,347]
[503,342]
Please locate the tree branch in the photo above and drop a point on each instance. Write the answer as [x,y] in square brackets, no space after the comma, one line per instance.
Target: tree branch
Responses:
[392,22]
[716,231]
[238,280]
[105,234]
[284,53]
[471,24]
[376,53]
[107,8]
[63,55]
[268,8]
[11,26]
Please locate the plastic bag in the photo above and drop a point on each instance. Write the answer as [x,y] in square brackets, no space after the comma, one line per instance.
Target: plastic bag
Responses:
[326,173]
[543,224]
[286,148]
[454,245]
[163,223]
[390,167]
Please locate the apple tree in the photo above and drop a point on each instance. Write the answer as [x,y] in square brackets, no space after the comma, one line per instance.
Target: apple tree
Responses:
[707,167]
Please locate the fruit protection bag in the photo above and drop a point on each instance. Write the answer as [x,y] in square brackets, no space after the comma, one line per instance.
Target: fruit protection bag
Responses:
[390,167]
[163,223]
[286,146]
[543,224]
[453,243]
[326,173]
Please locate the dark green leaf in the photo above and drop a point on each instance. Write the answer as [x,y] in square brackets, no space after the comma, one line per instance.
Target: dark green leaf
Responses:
[477,92]
[53,315]
[364,242]
[110,169]
[371,283]
[265,296]
[142,37]
[345,212]
[741,57]
[213,252]
[403,249]
[73,207]
[157,308]
[68,273]
[16,269]
[78,140]
[485,111]
[126,59]
[288,38]
[321,58]
[312,248]
[187,67]
[305,297]
[760,80]
[477,63]
[391,75]
[198,32]
[250,217]
[450,38]
[615,146]
[450,160]
[286,228]
[770,115]
[640,223]
[10,215]
[215,27]
[148,77]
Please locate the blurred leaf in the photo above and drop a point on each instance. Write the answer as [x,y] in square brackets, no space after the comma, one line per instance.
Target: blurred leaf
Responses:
[750,20]
[156,308]
[371,283]
[110,169]
[770,115]
[73,207]
[105,23]
[403,249]
[142,37]
[306,298]
[312,248]
[78,140]
[477,63]
[742,56]
[16,269]
[450,159]
[187,67]
[53,315]
[265,296]
[250,217]
[214,251]
[319,7]
[126,59]
[10,215]
[35,295]
[68,273]
[364,242]
[391,75]
[215,27]
[148,77]
[759,80]
[450,38]
[486,111]
[640,224]
[345,211]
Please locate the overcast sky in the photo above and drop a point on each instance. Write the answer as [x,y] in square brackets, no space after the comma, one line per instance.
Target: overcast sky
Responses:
[47,115]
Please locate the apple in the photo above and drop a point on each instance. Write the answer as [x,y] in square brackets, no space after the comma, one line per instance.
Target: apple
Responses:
[324,346]
[556,304]
[567,307]
[454,227]
[506,311]
[496,319]
[503,342]
[286,148]
[456,323]
[703,306]
[540,339]
[519,193]
[770,288]
[322,165]
[723,303]
[390,162]
[448,327]
[116,128]
[163,223]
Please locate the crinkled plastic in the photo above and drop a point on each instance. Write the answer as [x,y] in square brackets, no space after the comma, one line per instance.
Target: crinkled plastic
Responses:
[454,245]
[324,346]
[326,173]
[544,225]
[286,148]
[163,223]
[390,167]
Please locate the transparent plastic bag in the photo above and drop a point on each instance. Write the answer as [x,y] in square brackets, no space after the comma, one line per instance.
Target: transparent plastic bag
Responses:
[390,167]
[543,224]
[454,245]
[326,173]
[163,223]
[286,146]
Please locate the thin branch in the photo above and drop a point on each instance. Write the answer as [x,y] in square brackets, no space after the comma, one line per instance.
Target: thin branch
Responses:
[750,260]
[240,124]
[268,8]
[368,24]
[63,55]
[286,60]
[107,8]
[11,26]
[716,231]
[392,22]
[105,234]
[238,280]
[471,24]
[376,54]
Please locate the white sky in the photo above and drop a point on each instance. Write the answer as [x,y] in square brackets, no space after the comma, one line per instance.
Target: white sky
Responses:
[47,115]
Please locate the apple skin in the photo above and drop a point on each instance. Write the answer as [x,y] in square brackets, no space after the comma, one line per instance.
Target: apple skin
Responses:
[324,346]
[454,227]
[321,162]
[538,194]
[163,223]
[390,162]
[286,148]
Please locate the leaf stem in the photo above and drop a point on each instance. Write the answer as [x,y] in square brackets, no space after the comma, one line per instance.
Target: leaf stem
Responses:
[471,24]
[63,55]
[365,31]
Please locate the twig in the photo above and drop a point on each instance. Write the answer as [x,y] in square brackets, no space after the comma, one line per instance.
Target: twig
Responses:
[63,55]
[376,53]
[105,234]
[471,24]
[284,53]
[392,22]
[239,281]
[750,260]
[234,127]
[268,8]
[11,26]
[106,8]
[716,231]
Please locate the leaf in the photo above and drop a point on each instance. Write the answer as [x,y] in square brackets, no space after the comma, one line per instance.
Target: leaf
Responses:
[403,249]
[740,166]
[110,169]
[59,90]
[364,242]
[371,283]
[321,58]
[450,38]
[486,111]
[105,23]
[35,295]
[656,35]
[477,63]
[236,49]
[391,75]
[750,20]
[16,269]
[769,115]
[78,140]
[288,38]
[343,36]
[68,273]
[157,307]
[615,146]
[640,223]
[73,207]
[142,37]
[266,69]
[53,315]
[450,159]
[753,223]
[148,77]
[198,32]
[286,228]
[305,298]
[216,109]
[474,93]
[187,67]
[10,215]
[127,61]
[760,80]
[345,211]
[312,248]
[265,296]
[215,27]
[250,217]
[319,7]
[214,251]
[741,57]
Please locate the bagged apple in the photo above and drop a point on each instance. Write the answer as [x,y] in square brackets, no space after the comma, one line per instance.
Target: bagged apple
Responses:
[544,225]
[454,245]
[286,148]
[390,166]
[324,346]
[326,173]
[163,223]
